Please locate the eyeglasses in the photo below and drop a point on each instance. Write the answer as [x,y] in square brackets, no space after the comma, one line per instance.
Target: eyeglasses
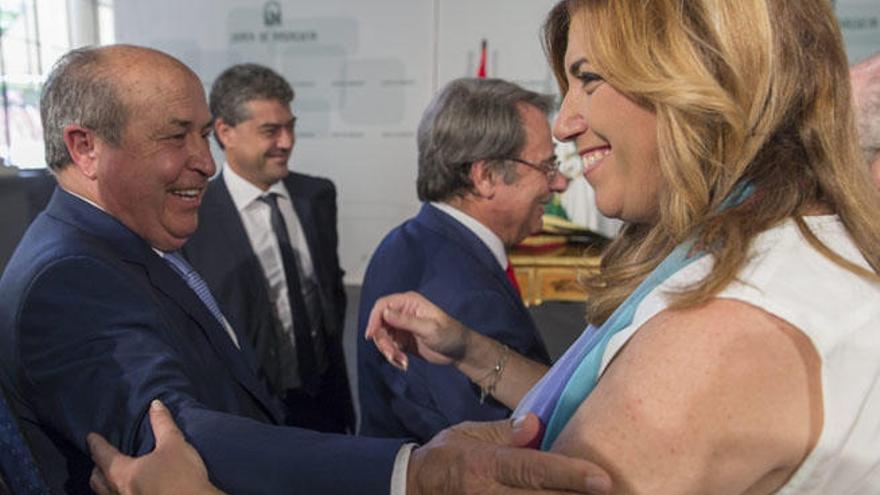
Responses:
[549,167]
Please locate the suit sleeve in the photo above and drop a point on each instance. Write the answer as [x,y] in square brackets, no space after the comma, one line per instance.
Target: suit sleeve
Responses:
[96,351]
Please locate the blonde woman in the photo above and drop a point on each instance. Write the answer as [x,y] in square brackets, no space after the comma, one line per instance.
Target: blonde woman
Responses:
[734,344]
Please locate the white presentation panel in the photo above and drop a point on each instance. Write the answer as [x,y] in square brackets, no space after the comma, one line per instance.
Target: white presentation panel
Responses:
[363,72]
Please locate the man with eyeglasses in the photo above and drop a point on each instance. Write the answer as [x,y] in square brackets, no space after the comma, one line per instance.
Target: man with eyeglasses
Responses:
[486,168]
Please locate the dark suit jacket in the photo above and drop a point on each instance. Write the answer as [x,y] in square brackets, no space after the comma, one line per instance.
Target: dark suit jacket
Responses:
[94,325]
[437,256]
[221,252]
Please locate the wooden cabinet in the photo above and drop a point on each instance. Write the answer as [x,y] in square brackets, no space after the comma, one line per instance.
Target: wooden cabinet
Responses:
[553,276]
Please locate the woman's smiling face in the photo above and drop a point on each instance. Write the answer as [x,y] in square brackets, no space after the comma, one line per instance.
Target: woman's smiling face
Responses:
[615,137]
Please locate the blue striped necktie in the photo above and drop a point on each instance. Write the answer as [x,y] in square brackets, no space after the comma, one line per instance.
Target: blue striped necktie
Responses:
[200,287]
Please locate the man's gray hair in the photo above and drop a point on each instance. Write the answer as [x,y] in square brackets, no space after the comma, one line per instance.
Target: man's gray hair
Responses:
[467,121]
[80,91]
[242,83]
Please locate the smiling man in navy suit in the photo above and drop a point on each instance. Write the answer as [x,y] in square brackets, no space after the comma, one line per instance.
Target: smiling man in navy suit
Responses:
[99,314]
[267,247]
[486,170]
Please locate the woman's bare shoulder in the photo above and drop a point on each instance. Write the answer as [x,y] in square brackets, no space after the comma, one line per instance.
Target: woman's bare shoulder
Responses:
[722,398]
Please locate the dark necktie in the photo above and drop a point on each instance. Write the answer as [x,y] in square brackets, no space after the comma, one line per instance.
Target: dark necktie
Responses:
[302,328]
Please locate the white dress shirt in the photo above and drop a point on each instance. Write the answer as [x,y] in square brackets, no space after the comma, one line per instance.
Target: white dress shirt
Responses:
[256,217]
[489,238]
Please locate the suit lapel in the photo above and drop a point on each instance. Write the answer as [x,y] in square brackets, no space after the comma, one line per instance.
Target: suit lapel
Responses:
[228,220]
[440,222]
[231,235]
[172,285]
[225,216]
[239,361]
[304,209]
[132,249]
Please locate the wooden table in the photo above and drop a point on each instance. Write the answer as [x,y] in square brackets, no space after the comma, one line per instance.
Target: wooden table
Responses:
[552,276]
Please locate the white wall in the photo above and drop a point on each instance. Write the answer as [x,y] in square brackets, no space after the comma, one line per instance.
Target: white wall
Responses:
[364,71]
[860,22]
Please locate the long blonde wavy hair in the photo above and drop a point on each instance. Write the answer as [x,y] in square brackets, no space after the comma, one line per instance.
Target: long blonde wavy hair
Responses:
[745,91]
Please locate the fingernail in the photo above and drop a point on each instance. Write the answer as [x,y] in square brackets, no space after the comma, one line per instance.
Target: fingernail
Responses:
[517,421]
[155,405]
[400,363]
[598,484]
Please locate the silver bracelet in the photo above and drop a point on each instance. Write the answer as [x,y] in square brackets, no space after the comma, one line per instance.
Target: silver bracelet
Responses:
[494,376]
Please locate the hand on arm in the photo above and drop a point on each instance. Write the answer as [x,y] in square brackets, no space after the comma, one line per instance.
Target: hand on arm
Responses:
[174,466]
[402,323]
[487,458]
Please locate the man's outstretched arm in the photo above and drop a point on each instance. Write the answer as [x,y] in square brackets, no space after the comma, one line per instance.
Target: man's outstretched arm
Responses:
[484,458]
[174,466]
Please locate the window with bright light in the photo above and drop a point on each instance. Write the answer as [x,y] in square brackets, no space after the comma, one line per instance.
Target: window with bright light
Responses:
[33,35]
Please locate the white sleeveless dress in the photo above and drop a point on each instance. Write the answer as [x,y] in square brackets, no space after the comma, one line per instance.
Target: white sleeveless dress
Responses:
[840,313]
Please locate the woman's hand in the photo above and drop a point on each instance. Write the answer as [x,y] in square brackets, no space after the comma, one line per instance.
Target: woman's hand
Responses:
[407,322]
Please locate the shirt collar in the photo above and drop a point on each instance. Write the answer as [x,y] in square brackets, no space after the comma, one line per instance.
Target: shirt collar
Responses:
[489,238]
[87,200]
[96,205]
[244,193]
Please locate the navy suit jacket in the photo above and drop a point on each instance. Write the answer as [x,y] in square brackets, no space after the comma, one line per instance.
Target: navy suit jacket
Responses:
[94,325]
[222,254]
[437,256]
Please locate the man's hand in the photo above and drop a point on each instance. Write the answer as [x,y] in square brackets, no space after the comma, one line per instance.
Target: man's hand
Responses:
[488,458]
[172,467]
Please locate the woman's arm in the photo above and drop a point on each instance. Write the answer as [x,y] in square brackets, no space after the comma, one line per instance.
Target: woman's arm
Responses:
[408,322]
[721,399]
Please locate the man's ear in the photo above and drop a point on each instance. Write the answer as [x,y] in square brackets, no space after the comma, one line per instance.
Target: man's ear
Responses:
[223,131]
[483,178]
[83,147]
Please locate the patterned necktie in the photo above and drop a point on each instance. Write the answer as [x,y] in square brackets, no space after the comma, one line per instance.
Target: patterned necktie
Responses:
[200,287]
[302,328]
[16,463]
[512,277]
